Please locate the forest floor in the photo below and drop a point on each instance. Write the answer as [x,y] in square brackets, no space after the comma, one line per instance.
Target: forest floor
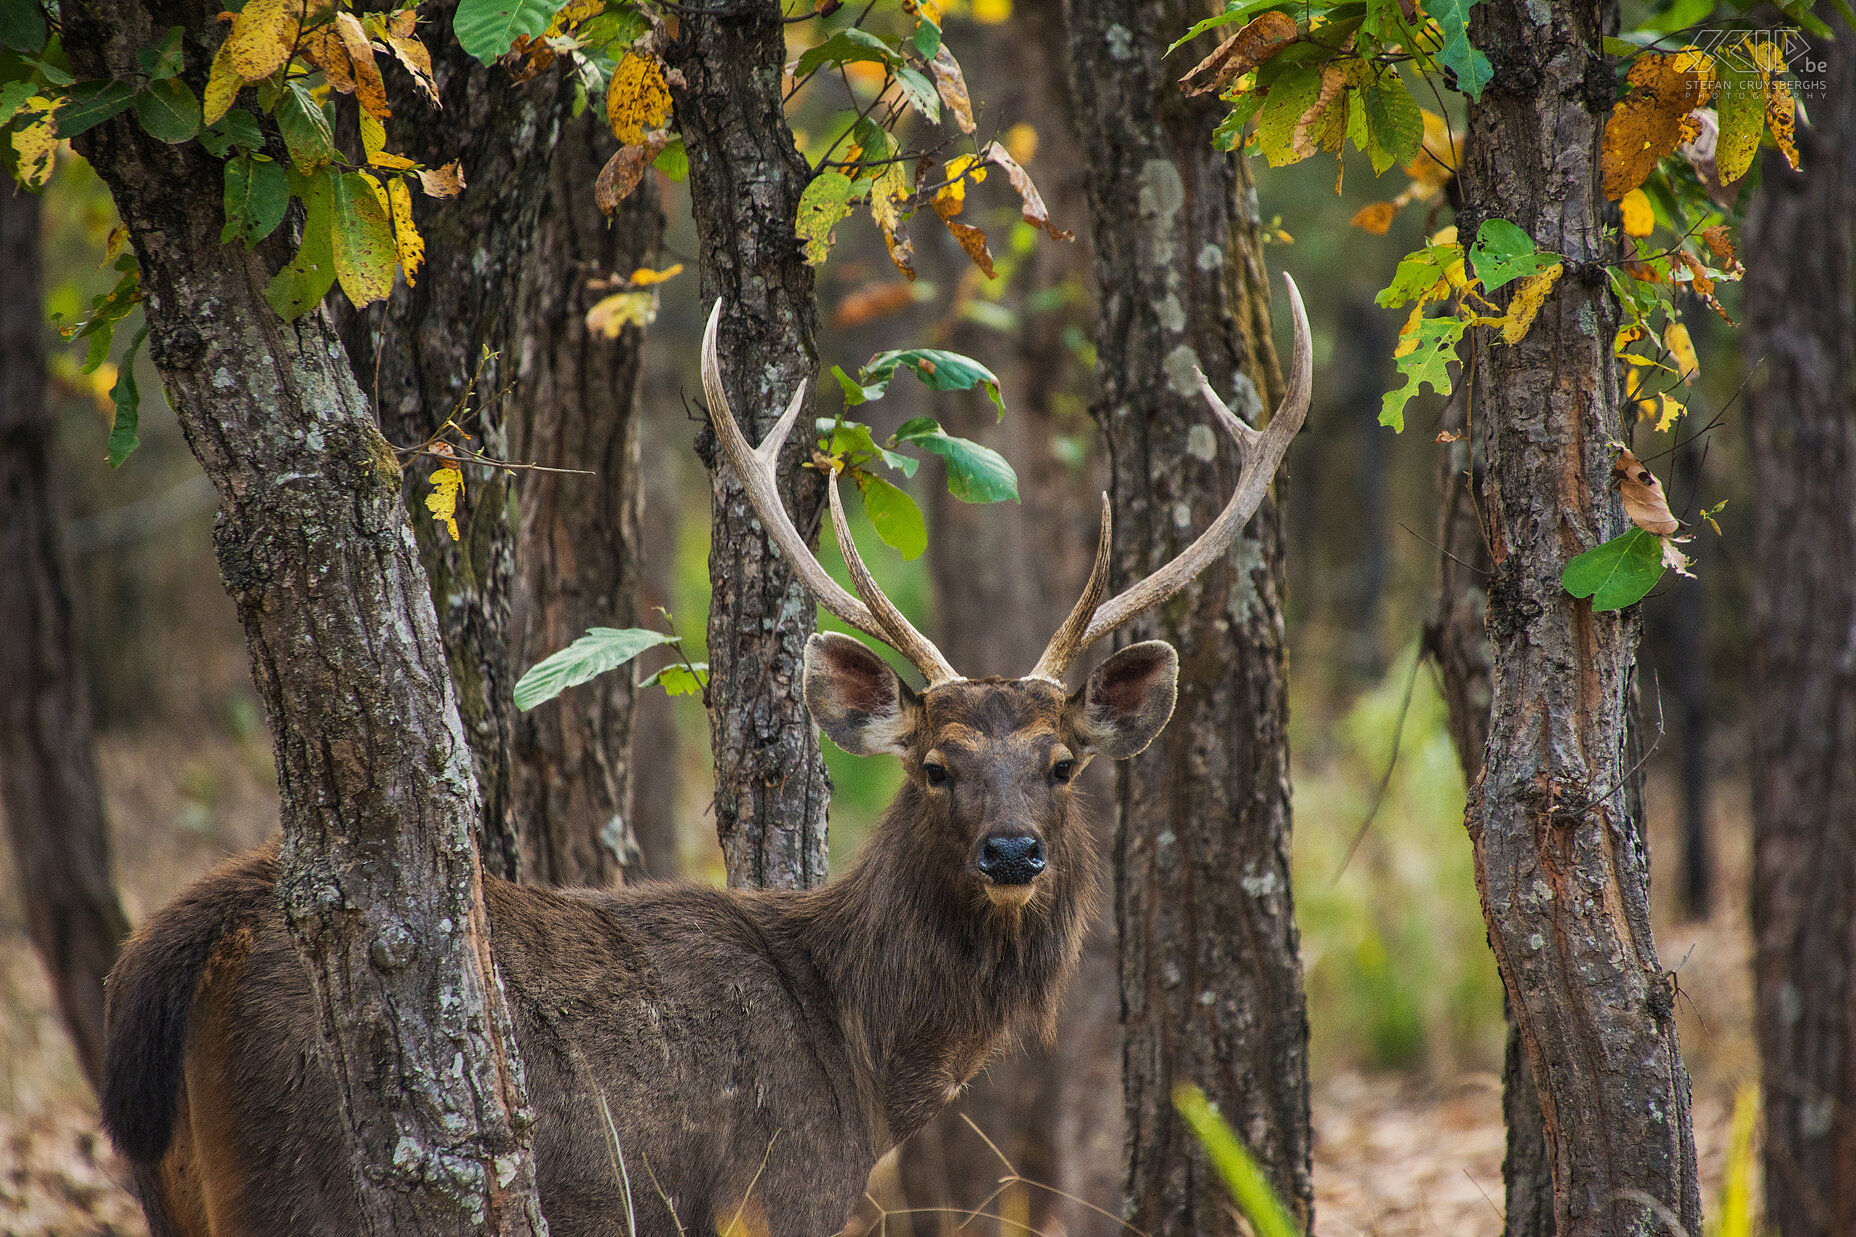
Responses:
[1395,1155]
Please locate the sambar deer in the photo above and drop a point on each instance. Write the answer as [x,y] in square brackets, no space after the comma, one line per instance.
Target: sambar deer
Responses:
[753,1053]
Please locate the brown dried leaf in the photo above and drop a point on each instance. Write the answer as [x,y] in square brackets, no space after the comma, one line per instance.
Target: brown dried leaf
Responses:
[952,88]
[871,301]
[410,52]
[327,50]
[974,242]
[1720,243]
[1311,128]
[1242,52]
[1643,496]
[1652,120]
[624,170]
[1032,206]
[443,182]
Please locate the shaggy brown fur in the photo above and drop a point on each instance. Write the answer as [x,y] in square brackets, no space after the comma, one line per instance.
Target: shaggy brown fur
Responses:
[756,1051]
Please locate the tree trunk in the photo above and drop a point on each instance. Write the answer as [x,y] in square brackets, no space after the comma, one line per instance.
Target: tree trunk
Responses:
[577,560]
[48,770]
[1457,640]
[1801,317]
[1004,577]
[1211,982]
[746,175]
[379,875]
[417,352]
[1561,861]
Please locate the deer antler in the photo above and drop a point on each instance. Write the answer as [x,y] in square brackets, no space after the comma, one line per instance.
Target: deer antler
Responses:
[875,615]
[1262,452]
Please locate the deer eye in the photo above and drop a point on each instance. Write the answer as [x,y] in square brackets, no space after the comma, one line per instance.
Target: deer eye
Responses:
[936,774]
[1062,770]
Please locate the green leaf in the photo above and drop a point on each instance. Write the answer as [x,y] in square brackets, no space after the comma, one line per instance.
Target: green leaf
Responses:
[1417,272]
[105,312]
[823,205]
[678,679]
[169,111]
[674,161]
[1426,363]
[1680,16]
[160,60]
[13,96]
[854,392]
[22,25]
[938,369]
[851,441]
[365,256]
[1394,124]
[894,515]
[1292,95]
[1503,252]
[487,29]
[257,194]
[89,104]
[921,94]
[236,128]
[975,474]
[1740,105]
[845,46]
[305,128]
[926,38]
[1470,66]
[1246,1181]
[600,650]
[124,434]
[1618,573]
[300,286]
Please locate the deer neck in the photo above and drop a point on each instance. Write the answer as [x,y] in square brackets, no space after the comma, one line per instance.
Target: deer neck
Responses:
[929,977]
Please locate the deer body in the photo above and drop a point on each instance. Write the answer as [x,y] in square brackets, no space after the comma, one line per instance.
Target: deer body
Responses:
[697,1060]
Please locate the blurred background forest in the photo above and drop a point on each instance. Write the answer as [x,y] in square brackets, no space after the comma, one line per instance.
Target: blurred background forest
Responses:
[1404,1000]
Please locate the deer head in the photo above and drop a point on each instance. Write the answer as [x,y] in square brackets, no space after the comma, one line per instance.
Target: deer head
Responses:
[991,762]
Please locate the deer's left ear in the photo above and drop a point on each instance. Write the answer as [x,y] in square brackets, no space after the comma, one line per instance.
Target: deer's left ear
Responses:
[856,698]
[1128,699]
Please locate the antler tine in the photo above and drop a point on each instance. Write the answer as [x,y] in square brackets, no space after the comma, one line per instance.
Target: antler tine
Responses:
[755,468]
[898,632]
[1067,643]
[1262,453]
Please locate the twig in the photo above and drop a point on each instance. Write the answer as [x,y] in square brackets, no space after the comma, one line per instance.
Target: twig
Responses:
[1379,795]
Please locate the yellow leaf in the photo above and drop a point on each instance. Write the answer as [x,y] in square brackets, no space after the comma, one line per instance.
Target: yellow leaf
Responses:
[1639,217]
[642,278]
[1312,126]
[34,142]
[992,12]
[263,34]
[1681,351]
[1782,117]
[1665,408]
[1529,295]
[1652,120]
[444,182]
[369,89]
[888,192]
[1440,156]
[402,38]
[1022,141]
[323,47]
[1374,217]
[118,237]
[442,502]
[637,100]
[951,198]
[222,86]
[1626,336]
[406,239]
[622,309]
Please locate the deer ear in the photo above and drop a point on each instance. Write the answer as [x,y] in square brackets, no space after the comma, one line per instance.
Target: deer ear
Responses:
[856,698]
[1128,699]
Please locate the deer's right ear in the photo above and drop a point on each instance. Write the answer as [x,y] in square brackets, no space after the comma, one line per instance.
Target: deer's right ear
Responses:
[856,698]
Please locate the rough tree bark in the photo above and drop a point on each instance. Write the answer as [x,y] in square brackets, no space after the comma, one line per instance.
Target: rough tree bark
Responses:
[48,771]
[1004,576]
[746,175]
[417,352]
[577,551]
[1458,642]
[1801,317]
[380,878]
[1211,981]
[1561,861]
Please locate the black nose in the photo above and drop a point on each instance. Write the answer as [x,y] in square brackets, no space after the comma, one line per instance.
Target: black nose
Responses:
[1012,860]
